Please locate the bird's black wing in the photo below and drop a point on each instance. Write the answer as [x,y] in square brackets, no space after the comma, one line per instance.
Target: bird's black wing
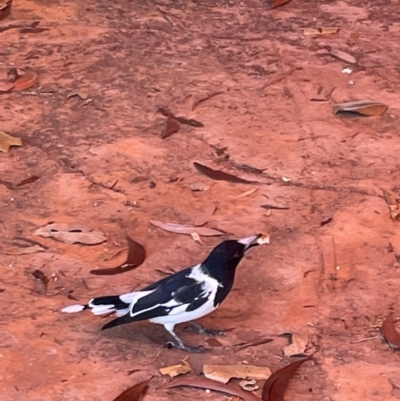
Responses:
[168,294]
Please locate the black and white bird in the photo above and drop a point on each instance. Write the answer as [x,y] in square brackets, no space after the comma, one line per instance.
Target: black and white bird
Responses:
[182,297]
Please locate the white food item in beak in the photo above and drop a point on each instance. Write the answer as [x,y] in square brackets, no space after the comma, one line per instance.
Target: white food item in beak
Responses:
[255,239]
[263,239]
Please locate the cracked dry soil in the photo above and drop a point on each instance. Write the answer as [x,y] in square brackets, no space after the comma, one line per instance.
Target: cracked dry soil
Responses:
[332,269]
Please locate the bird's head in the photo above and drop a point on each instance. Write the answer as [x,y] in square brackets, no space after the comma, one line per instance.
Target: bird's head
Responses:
[229,253]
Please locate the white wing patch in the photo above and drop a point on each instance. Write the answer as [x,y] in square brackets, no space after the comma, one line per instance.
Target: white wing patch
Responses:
[179,314]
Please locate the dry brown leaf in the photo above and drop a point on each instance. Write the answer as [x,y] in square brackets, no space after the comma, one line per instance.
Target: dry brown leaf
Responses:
[321,31]
[39,275]
[247,193]
[176,370]
[365,107]
[220,175]
[389,331]
[26,251]
[172,127]
[201,382]
[342,56]
[199,186]
[134,393]
[25,81]
[6,141]
[223,373]
[5,8]
[185,229]
[275,386]
[278,3]
[393,205]
[136,256]
[205,216]
[297,346]
[71,234]
[28,180]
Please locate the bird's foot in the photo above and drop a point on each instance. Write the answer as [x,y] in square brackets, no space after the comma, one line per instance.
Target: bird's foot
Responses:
[203,330]
[183,347]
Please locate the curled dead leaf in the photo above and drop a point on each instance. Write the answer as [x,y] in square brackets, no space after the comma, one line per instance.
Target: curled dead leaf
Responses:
[25,81]
[365,107]
[6,141]
[134,393]
[136,256]
[71,234]
[275,386]
[388,330]
[220,175]
[201,382]
[186,229]
[223,373]
[205,216]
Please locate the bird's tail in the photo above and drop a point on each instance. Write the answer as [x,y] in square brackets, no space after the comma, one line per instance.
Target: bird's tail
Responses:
[119,304]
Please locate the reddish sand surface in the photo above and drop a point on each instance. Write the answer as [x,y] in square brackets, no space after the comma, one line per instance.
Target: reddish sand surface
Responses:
[92,134]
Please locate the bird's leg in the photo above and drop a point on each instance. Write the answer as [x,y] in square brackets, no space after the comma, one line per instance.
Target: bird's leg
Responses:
[210,332]
[179,343]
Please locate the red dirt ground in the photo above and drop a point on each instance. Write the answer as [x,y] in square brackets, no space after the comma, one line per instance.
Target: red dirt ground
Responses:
[335,281]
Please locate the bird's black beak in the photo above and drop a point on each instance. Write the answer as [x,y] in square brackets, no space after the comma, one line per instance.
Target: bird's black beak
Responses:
[254,240]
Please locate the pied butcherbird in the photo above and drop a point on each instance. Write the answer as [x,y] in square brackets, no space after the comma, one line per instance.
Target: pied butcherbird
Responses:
[181,297]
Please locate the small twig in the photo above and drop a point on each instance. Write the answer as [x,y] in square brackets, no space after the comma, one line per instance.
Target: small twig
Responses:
[364,339]
[278,78]
[210,96]
[275,207]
